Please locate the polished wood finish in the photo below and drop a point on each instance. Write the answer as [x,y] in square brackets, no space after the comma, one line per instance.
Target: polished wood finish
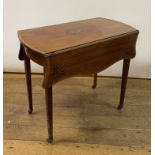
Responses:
[126,64]
[77,48]
[49,111]
[56,38]
[27,65]
[88,60]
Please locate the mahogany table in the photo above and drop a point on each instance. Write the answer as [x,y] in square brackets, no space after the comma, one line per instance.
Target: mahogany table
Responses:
[76,48]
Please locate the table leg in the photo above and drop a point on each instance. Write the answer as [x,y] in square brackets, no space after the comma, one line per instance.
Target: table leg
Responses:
[28,81]
[95,81]
[49,111]
[126,64]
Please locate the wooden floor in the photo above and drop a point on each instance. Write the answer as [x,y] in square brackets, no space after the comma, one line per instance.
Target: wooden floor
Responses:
[86,120]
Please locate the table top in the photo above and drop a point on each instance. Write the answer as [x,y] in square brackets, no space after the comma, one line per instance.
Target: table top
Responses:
[67,36]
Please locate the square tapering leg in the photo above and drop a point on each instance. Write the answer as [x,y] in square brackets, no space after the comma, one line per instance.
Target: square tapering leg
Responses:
[49,111]
[95,81]
[126,64]
[27,65]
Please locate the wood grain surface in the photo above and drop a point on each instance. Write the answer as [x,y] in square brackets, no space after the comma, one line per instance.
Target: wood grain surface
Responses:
[18,147]
[85,119]
[68,35]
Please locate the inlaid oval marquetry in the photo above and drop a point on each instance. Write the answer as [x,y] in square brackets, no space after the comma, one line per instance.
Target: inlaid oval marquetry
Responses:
[74,32]
[81,30]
